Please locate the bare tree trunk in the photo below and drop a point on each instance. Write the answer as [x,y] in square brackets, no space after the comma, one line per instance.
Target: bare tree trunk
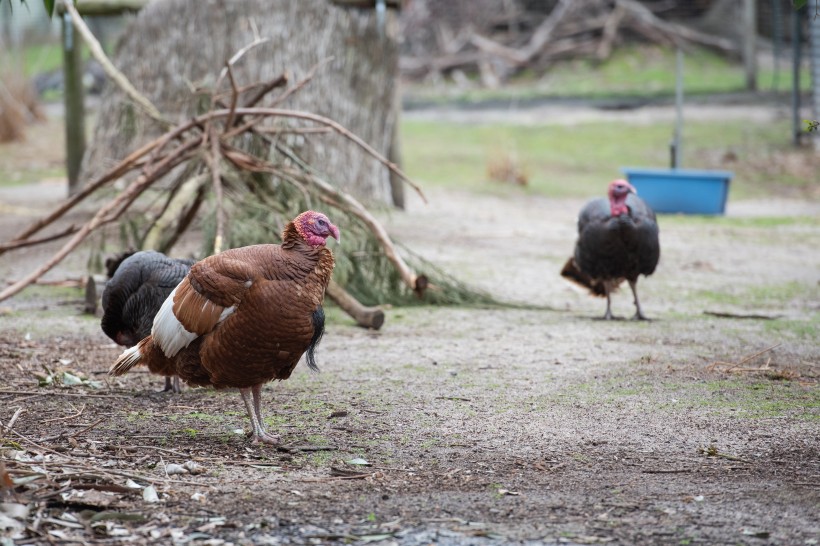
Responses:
[174,49]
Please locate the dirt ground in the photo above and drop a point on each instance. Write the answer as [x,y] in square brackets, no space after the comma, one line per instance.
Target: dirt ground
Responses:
[450,425]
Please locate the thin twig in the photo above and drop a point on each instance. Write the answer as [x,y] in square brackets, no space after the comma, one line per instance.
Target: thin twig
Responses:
[32,242]
[216,180]
[296,114]
[97,52]
[68,394]
[112,174]
[89,427]
[227,70]
[78,463]
[236,56]
[14,417]
[66,418]
[264,89]
[234,97]
[345,202]
[303,82]
[106,214]
[293,130]
[741,316]
[746,359]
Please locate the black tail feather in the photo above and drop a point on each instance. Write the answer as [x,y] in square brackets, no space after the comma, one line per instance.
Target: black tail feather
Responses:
[572,272]
[318,330]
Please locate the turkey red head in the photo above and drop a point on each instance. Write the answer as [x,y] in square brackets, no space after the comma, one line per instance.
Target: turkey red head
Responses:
[618,192]
[315,228]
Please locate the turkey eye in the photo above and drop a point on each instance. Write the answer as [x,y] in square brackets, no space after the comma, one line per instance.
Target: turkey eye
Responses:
[321,222]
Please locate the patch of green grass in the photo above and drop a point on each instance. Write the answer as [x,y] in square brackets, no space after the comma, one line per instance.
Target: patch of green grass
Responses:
[50,293]
[765,296]
[761,222]
[651,71]
[755,399]
[208,417]
[20,177]
[578,160]
[320,458]
[738,397]
[38,58]
[799,329]
[190,432]
[134,416]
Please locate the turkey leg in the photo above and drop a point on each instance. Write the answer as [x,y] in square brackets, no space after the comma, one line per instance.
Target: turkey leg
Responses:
[608,314]
[172,385]
[638,313]
[255,413]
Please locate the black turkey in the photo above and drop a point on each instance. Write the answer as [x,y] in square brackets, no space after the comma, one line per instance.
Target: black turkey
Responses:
[617,241]
[138,284]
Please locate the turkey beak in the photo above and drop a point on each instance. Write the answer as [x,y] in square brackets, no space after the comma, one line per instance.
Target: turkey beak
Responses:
[334,232]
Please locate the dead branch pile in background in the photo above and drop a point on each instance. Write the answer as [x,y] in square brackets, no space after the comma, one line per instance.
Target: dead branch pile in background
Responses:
[508,39]
[234,169]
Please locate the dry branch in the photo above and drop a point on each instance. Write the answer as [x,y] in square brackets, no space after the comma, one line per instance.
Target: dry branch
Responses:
[106,214]
[367,317]
[119,78]
[733,367]
[583,29]
[205,138]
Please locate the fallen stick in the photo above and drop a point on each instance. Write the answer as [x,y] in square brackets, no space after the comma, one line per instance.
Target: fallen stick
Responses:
[366,317]
[741,316]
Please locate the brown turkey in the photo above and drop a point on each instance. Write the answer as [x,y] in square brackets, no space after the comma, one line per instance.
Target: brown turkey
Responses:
[138,283]
[617,241]
[244,317]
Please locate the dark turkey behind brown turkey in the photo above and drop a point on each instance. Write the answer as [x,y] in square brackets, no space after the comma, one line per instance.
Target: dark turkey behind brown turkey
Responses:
[139,282]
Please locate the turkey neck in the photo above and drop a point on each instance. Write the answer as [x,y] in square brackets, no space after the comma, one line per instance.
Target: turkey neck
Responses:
[293,241]
[617,204]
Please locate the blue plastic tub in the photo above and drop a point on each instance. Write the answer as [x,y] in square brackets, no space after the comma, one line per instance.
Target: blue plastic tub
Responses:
[681,190]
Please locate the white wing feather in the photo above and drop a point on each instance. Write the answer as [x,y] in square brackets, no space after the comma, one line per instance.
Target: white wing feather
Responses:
[169,333]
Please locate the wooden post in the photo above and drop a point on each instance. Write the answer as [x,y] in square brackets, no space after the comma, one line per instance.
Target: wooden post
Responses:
[797,128]
[73,93]
[749,46]
[74,105]
[394,155]
[814,52]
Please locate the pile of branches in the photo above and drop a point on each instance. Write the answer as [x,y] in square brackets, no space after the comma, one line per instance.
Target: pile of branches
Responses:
[515,39]
[234,164]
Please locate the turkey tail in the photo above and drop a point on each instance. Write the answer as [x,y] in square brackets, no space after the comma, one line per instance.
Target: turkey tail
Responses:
[318,330]
[572,272]
[131,357]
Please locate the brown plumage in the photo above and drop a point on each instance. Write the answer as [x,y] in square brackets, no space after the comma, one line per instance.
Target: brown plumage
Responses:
[245,316]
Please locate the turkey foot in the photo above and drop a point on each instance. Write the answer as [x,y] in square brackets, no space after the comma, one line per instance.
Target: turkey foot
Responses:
[638,313]
[259,434]
[265,438]
[172,385]
[608,315]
